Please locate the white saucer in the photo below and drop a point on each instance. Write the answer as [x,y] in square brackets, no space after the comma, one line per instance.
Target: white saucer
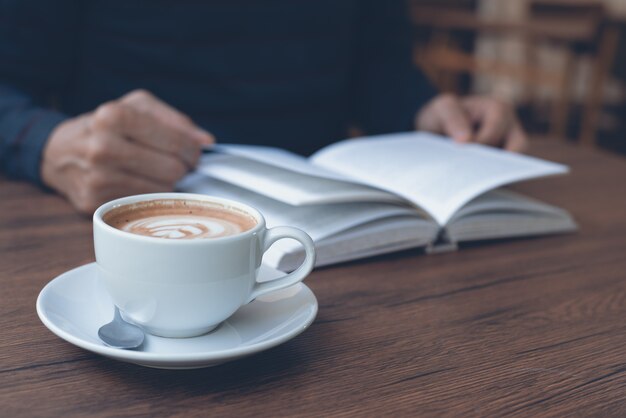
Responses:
[75,304]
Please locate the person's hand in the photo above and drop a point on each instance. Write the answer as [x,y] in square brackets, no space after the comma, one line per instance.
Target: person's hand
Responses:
[480,119]
[136,144]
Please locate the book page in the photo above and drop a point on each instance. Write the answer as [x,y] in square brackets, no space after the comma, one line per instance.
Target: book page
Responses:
[503,201]
[511,224]
[279,158]
[374,238]
[433,172]
[506,214]
[285,185]
[319,221]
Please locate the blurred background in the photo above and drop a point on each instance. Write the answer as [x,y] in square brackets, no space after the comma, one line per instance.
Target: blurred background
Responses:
[561,62]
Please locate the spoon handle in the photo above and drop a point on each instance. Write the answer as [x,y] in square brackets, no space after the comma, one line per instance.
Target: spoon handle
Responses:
[117,314]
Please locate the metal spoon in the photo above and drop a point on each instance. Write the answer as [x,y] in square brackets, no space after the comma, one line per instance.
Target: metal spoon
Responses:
[120,334]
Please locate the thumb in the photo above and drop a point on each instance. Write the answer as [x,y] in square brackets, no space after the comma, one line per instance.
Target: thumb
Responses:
[455,122]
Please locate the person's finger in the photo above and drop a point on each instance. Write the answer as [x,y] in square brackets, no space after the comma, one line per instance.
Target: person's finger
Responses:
[102,185]
[144,128]
[145,101]
[516,140]
[121,184]
[454,120]
[111,150]
[494,118]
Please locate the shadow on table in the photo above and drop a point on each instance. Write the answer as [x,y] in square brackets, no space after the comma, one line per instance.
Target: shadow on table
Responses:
[253,371]
[244,375]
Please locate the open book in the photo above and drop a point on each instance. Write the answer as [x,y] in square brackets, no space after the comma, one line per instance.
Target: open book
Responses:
[373,195]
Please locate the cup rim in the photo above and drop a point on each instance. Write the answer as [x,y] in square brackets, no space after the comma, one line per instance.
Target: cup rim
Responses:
[98,221]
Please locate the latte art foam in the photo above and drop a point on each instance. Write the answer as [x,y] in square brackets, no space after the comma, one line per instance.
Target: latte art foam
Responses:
[182,227]
[179,219]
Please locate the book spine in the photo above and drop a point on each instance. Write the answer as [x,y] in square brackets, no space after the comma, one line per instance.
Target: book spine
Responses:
[442,244]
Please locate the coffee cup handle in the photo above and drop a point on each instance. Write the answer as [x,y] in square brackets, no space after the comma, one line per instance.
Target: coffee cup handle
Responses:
[271,236]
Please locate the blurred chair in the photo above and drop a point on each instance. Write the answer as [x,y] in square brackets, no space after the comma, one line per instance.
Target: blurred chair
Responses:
[578,28]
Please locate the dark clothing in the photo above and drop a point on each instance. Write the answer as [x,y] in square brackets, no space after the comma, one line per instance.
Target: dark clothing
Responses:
[286,73]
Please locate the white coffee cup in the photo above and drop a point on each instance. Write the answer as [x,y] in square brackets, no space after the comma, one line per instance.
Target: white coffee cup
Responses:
[184,288]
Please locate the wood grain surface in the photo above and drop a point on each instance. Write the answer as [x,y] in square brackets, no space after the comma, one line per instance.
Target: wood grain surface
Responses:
[531,327]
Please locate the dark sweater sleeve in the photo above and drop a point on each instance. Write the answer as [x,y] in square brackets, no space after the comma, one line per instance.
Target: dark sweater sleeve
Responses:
[37,40]
[388,88]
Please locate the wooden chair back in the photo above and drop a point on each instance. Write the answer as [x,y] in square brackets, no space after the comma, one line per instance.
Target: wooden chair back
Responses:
[576,27]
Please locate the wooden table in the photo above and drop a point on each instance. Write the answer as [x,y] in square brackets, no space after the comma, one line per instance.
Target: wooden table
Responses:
[533,326]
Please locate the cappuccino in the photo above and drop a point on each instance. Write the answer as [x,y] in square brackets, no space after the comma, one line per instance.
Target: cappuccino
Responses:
[178,278]
[179,219]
